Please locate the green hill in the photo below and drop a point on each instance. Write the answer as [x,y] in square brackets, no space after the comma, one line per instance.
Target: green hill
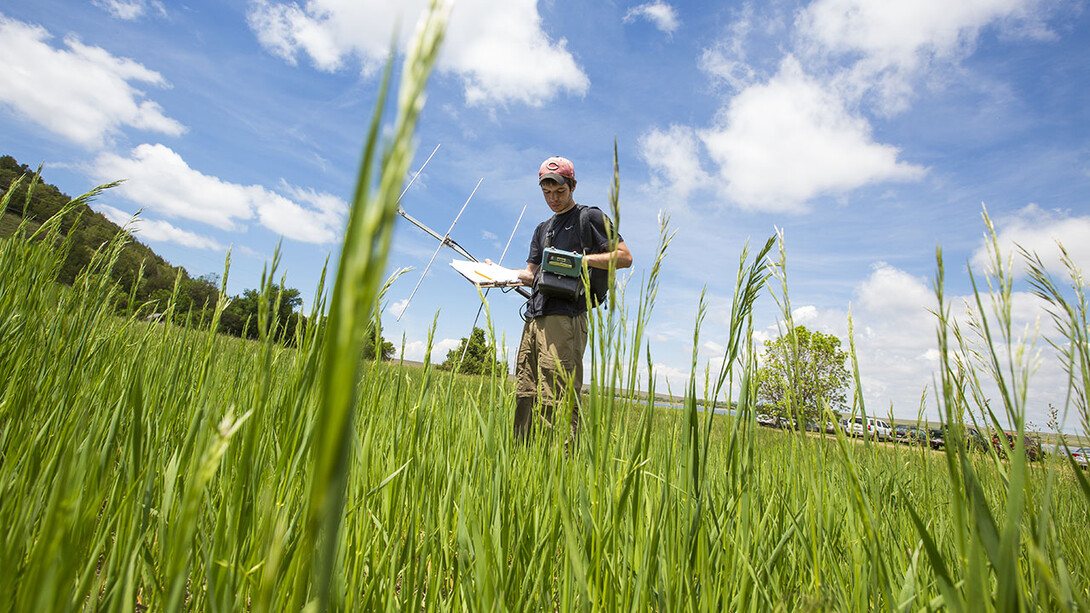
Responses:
[145,282]
[86,231]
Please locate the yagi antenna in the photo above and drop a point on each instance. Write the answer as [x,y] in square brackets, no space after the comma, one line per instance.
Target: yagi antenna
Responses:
[517,222]
[419,170]
[445,239]
[481,308]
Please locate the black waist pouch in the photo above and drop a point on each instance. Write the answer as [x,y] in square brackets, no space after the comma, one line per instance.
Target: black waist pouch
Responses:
[560,286]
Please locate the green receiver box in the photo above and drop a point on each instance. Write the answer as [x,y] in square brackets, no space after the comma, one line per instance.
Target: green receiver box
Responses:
[558,261]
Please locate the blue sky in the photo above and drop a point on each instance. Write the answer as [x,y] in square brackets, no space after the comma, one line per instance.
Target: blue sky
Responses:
[869,133]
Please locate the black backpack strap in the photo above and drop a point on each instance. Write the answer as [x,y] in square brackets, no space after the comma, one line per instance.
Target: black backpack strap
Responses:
[547,240]
[599,279]
[584,228]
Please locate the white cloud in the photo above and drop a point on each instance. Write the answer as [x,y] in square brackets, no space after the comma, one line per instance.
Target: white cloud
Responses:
[891,290]
[415,350]
[324,31]
[804,315]
[304,214]
[893,41]
[899,34]
[673,158]
[801,133]
[712,348]
[83,94]
[158,230]
[159,179]
[1038,231]
[129,10]
[668,379]
[661,14]
[499,50]
[760,336]
[398,308]
[897,345]
[895,338]
[781,143]
[726,58]
[503,55]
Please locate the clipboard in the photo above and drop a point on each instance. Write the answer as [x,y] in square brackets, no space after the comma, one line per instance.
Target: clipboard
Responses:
[483,274]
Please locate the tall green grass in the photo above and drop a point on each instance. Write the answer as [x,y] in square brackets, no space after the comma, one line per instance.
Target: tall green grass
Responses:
[170,467]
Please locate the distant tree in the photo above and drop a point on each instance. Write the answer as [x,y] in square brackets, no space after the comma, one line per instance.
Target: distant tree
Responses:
[196,298]
[240,318]
[480,357]
[286,318]
[204,291]
[369,343]
[802,372]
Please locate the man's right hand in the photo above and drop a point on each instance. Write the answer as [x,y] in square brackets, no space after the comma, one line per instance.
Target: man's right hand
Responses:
[527,275]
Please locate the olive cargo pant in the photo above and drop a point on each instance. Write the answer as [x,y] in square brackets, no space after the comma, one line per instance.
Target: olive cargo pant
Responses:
[550,354]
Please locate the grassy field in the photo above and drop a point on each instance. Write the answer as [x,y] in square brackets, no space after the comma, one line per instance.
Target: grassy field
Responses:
[171,467]
[167,467]
[9,222]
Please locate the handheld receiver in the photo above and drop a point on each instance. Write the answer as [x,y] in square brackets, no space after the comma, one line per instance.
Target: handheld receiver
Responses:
[565,263]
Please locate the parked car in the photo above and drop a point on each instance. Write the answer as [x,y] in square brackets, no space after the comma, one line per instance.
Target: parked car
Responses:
[910,435]
[767,420]
[881,429]
[974,440]
[1034,450]
[856,427]
[871,428]
[936,438]
[1004,441]
[1080,455]
[786,423]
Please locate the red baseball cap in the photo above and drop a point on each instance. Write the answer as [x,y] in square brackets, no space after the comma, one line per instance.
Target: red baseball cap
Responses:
[558,169]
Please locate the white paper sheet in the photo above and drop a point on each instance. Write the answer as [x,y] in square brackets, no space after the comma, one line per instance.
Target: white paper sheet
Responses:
[486,275]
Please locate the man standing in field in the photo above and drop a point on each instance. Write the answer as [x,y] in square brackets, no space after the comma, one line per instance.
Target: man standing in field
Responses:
[555,333]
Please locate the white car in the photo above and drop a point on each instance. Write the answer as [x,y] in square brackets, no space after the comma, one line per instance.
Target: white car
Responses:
[872,428]
[767,420]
